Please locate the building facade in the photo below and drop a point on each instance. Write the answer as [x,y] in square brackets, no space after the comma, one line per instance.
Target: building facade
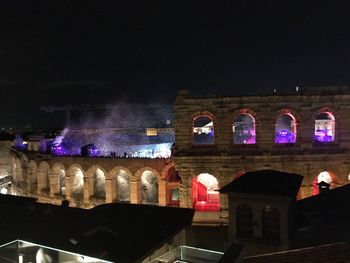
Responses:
[307,132]
[216,140]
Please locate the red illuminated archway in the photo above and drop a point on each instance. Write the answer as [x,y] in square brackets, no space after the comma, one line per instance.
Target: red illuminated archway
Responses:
[205,195]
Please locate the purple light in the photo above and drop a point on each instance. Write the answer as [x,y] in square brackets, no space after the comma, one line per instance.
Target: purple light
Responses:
[58,150]
[323,136]
[284,136]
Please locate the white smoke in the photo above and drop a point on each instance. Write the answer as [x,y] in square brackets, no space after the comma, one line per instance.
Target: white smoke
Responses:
[59,138]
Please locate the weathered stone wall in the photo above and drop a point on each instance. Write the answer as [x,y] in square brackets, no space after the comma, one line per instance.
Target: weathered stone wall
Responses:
[5,168]
[225,160]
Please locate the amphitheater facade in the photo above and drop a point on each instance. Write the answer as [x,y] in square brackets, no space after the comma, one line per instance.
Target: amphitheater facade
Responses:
[216,139]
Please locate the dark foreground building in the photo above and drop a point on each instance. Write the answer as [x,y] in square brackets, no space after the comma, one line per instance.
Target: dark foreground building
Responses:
[111,232]
[266,217]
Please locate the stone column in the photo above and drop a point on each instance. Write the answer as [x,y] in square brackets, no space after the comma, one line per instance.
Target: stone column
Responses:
[162,192]
[110,190]
[40,181]
[135,195]
[69,187]
[54,184]
[31,184]
[88,189]
[186,192]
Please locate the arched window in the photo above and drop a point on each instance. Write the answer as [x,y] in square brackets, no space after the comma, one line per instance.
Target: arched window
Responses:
[99,184]
[285,130]
[325,127]
[173,181]
[243,129]
[205,195]
[149,188]
[203,130]
[123,186]
[244,221]
[271,223]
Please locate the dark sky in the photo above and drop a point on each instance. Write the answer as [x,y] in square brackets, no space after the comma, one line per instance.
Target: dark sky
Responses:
[86,52]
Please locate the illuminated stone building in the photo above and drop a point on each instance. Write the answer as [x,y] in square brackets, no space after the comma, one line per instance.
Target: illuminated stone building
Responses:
[216,139]
[86,182]
[219,138]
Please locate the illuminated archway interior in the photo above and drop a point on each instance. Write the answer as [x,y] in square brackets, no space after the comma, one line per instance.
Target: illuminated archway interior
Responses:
[62,181]
[123,186]
[203,130]
[325,127]
[78,184]
[205,193]
[243,129]
[173,183]
[285,131]
[149,188]
[99,184]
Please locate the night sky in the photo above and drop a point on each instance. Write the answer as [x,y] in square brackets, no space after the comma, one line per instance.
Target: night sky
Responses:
[92,52]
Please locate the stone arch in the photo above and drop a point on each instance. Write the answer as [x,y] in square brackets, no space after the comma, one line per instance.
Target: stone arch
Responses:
[121,177]
[205,194]
[43,177]
[203,128]
[244,127]
[98,173]
[59,175]
[76,174]
[172,181]
[113,172]
[149,185]
[325,125]
[286,126]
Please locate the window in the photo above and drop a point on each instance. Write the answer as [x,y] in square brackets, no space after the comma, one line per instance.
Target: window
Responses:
[244,221]
[243,129]
[205,195]
[325,127]
[285,131]
[203,130]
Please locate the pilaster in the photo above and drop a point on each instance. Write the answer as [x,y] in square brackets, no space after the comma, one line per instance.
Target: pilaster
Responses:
[135,195]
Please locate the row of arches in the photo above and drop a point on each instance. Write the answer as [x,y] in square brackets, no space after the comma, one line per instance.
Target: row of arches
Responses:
[95,183]
[244,131]
[146,186]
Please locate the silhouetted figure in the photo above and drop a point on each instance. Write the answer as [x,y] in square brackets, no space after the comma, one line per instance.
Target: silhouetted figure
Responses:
[65,203]
[323,187]
[125,155]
